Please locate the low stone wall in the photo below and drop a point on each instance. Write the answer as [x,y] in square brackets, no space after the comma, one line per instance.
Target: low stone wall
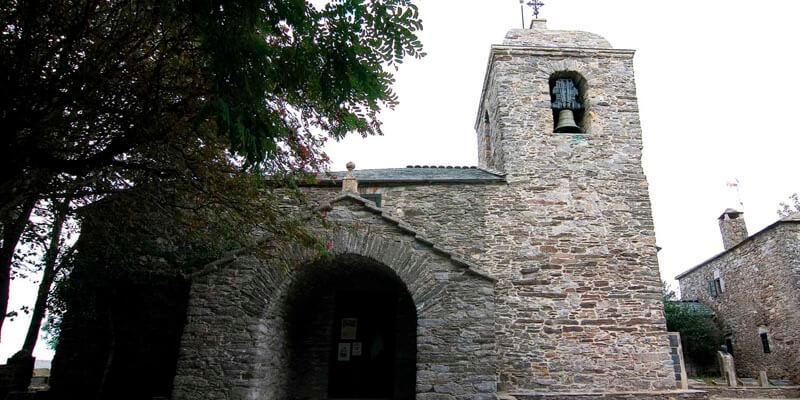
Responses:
[663,395]
[753,392]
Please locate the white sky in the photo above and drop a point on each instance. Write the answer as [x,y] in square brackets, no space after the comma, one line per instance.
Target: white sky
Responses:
[716,91]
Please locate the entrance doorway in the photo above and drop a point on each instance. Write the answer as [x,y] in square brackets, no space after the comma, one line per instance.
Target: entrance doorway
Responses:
[363,348]
[352,333]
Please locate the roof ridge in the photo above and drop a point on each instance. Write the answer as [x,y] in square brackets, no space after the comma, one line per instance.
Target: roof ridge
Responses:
[444,166]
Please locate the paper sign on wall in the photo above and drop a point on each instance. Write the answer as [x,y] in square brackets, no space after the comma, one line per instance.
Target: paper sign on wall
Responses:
[356,349]
[349,326]
[344,352]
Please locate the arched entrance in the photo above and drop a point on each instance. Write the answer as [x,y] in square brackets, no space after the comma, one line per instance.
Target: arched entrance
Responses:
[351,326]
[269,326]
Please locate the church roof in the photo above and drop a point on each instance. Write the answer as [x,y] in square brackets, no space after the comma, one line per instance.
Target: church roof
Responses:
[417,174]
[693,307]
[539,36]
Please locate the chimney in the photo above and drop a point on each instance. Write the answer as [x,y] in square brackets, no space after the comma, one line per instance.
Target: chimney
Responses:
[732,227]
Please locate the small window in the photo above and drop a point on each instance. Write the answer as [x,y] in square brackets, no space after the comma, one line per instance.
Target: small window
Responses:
[373,197]
[712,288]
[718,285]
[487,140]
[765,342]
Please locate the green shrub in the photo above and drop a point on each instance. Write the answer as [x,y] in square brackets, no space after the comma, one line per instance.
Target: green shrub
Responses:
[700,335]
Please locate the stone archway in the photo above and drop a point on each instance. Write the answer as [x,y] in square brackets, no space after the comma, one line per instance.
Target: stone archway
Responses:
[240,340]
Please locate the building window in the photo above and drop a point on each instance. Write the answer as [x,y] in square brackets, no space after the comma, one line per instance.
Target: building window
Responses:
[765,342]
[373,197]
[718,282]
[487,140]
[712,288]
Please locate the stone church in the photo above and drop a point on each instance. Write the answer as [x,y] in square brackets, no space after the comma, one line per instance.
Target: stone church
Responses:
[532,275]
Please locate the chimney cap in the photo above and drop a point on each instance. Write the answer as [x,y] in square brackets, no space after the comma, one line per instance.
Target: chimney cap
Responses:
[731,213]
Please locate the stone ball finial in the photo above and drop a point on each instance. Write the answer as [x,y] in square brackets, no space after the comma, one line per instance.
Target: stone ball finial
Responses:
[349,183]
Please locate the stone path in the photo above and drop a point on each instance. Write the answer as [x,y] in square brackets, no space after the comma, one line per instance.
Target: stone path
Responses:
[755,398]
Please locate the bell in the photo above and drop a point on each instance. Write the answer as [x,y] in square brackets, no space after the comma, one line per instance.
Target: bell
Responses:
[566,122]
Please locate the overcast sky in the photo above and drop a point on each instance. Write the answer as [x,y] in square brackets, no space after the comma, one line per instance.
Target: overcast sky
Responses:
[716,94]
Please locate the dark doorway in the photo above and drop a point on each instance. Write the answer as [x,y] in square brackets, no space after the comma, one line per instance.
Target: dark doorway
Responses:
[352,330]
[362,360]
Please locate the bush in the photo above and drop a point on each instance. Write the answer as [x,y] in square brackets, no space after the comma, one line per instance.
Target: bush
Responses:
[700,335]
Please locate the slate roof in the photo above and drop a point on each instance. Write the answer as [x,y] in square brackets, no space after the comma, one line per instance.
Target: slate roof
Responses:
[694,307]
[417,174]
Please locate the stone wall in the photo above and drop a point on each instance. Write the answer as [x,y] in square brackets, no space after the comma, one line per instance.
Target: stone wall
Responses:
[453,215]
[237,339]
[760,281]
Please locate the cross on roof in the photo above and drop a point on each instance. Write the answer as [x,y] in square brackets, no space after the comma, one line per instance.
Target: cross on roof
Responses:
[536,4]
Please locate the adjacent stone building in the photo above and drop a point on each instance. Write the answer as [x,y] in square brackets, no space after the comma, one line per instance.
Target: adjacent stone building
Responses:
[754,289]
[532,275]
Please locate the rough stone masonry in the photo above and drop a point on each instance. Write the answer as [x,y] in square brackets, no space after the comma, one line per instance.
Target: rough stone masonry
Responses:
[754,289]
[534,273]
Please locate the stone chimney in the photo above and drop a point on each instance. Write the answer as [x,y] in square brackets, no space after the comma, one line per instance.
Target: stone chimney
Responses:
[732,227]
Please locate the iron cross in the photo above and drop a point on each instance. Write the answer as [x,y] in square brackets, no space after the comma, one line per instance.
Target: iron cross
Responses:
[536,4]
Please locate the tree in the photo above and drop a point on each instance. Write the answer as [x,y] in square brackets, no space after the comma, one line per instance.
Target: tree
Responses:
[700,335]
[790,207]
[46,252]
[101,96]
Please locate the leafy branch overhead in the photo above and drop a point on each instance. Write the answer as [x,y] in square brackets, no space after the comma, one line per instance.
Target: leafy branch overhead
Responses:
[86,83]
[180,119]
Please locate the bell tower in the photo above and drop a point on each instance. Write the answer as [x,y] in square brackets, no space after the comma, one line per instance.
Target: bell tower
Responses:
[579,286]
[547,91]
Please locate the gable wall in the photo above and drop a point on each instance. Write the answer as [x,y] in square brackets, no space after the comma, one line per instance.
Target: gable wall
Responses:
[236,340]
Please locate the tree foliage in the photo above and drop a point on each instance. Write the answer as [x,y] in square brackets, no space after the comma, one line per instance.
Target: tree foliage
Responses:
[790,207]
[190,114]
[699,333]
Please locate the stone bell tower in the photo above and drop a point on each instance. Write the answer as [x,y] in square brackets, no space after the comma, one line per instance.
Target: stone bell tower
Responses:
[579,299]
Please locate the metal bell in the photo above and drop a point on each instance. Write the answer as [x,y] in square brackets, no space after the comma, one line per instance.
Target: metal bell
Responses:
[566,122]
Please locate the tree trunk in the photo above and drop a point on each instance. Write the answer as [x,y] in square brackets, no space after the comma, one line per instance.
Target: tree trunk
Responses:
[51,257]
[112,348]
[13,226]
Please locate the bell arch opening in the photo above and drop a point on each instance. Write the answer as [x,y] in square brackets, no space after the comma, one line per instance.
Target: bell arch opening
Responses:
[351,332]
[568,101]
